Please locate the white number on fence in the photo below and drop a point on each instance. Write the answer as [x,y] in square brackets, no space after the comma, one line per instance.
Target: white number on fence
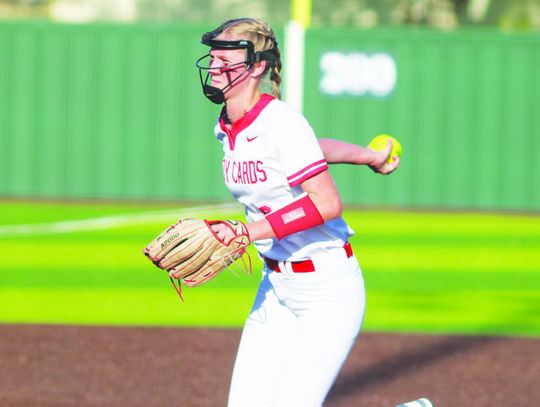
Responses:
[357,74]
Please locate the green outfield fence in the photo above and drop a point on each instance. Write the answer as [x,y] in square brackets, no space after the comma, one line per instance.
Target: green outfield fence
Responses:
[116,111]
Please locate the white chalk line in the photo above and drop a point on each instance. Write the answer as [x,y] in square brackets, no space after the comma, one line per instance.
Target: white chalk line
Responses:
[111,222]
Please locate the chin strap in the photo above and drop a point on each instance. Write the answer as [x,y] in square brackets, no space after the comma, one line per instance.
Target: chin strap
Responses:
[214,94]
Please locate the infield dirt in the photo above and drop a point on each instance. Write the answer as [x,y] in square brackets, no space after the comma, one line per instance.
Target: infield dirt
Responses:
[46,366]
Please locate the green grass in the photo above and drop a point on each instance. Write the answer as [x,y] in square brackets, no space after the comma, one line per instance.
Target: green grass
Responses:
[425,272]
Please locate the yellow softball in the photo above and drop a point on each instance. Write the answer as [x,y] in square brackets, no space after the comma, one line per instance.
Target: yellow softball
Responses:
[380,143]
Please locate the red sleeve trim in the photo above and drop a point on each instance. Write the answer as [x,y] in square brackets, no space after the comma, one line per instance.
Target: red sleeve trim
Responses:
[308,172]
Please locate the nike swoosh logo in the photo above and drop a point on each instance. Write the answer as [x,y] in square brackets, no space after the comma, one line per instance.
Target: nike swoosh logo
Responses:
[251,139]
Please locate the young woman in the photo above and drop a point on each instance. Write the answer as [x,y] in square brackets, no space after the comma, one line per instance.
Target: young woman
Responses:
[310,303]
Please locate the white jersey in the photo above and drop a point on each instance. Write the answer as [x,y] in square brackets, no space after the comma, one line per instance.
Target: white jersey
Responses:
[268,153]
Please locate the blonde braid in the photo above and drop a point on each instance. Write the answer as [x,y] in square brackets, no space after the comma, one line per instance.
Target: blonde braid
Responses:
[275,76]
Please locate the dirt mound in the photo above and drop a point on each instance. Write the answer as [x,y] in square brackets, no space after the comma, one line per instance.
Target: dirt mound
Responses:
[45,366]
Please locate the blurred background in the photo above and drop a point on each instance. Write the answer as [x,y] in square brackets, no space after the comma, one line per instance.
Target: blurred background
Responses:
[447,14]
[99,98]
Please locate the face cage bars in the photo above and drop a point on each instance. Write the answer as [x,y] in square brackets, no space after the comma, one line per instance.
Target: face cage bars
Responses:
[216,95]
[219,44]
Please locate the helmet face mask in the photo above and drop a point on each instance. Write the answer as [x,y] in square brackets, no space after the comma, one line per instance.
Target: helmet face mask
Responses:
[209,39]
[213,93]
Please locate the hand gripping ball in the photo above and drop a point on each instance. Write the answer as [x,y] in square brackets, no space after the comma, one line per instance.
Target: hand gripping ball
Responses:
[380,143]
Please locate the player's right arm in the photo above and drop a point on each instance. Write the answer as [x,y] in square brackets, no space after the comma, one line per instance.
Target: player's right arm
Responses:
[341,152]
[320,203]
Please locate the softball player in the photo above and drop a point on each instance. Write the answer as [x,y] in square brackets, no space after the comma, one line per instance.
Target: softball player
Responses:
[311,300]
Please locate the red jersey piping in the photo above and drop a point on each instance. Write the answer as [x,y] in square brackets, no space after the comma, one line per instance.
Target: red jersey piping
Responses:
[307,172]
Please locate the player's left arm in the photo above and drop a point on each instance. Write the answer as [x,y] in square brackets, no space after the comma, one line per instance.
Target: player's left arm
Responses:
[341,152]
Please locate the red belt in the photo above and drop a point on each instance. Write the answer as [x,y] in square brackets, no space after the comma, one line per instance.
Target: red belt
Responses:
[304,266]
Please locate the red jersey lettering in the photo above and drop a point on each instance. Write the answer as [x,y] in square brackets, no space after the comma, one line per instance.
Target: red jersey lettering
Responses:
[244,172]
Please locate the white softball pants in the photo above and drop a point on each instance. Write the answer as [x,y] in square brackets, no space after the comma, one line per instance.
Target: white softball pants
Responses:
[300,330]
